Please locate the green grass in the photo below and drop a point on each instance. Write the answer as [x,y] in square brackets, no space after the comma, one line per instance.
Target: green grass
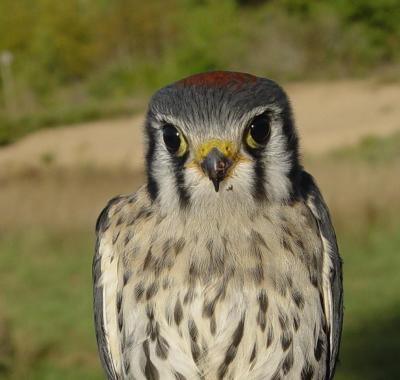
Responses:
[371,336]
[46,293]
[45,279]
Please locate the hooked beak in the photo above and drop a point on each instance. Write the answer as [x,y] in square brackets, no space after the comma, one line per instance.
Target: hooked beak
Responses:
[215,165]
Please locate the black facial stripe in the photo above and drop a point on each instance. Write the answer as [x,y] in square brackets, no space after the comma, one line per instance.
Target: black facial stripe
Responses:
[259,192]
[293,147]
[152,185]
[179,162]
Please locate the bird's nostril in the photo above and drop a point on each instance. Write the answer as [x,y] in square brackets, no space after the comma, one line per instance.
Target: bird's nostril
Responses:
[221,165]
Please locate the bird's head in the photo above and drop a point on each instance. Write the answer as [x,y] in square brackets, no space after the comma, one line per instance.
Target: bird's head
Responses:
[220,139]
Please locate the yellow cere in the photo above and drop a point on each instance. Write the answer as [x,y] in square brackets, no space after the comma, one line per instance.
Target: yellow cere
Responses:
[225,147]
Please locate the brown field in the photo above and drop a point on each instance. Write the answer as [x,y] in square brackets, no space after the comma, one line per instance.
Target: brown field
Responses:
[74,198]
[328,114]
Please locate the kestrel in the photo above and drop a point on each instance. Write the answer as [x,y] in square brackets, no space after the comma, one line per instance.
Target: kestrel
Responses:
[224,265]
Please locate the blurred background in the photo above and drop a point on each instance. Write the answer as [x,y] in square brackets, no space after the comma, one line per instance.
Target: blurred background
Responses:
[74,82]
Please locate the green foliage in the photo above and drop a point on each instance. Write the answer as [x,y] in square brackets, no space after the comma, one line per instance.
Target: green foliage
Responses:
[71,40]
[124,48]
[372,307]
[46,286]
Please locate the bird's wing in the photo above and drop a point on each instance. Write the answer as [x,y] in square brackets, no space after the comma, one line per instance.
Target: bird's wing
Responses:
[332,268]
[105,280]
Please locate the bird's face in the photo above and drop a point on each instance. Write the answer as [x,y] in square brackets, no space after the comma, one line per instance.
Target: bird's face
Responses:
[218,140]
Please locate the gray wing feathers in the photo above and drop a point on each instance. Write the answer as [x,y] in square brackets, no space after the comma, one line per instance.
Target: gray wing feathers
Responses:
[333,288]
[98,298]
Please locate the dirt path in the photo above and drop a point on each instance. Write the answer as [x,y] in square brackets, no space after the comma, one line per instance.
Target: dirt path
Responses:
[329,115]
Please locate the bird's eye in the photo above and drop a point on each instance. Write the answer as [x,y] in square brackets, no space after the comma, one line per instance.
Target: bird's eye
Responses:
[174,140]
[258,132]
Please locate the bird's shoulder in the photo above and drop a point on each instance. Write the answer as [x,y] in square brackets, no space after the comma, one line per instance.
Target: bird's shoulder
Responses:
[115,227]
[123,211]
[332,266]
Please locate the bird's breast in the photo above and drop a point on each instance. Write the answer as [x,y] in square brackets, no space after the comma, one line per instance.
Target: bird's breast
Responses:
[237,303]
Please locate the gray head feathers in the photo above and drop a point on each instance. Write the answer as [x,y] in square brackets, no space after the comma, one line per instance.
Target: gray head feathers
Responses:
[210,109]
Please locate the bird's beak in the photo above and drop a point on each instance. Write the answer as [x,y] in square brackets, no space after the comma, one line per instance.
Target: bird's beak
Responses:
[215,165]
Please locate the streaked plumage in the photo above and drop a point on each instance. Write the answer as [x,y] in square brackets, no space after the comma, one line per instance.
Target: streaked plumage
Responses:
[234,278]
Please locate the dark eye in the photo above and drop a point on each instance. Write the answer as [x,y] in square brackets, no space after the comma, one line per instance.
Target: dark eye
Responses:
[173,139]
[259,131]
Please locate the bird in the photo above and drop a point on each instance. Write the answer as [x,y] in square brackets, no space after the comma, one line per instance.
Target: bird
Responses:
[224,264]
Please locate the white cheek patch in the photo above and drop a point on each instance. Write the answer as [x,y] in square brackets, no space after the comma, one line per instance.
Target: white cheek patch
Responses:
[278,163]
